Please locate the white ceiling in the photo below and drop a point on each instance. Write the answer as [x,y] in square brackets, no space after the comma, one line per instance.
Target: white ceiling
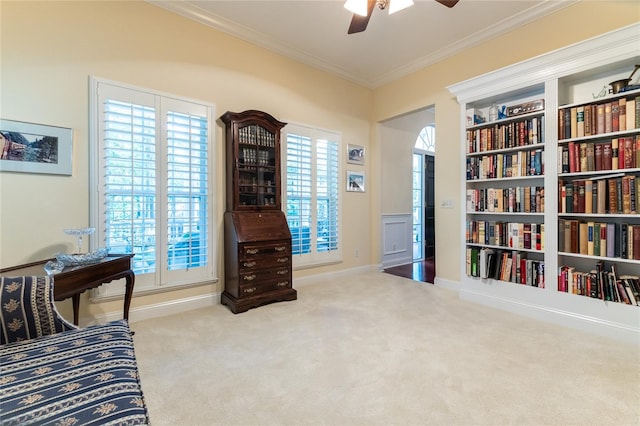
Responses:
[315,31]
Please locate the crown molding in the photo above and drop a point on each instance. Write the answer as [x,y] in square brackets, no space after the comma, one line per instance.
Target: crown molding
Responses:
[497,29]
[197,14]
[612,47]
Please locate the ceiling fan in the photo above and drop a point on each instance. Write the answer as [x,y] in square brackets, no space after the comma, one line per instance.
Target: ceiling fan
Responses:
[362,10]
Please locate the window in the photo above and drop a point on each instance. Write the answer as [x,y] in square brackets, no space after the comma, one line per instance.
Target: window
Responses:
[312,196]
[426,140]
[418,205]
[152,173]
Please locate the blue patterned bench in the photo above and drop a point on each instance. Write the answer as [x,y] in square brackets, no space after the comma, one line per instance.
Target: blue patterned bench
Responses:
[53,373]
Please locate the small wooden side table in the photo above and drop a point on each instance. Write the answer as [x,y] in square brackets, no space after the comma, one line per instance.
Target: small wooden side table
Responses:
[72,281]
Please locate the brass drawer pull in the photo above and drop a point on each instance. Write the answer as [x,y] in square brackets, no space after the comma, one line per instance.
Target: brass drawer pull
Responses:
[252,251]
[283,284]
[249,264]
[249,277]
[283,272]
[283,259]
[280,248]
[250,290]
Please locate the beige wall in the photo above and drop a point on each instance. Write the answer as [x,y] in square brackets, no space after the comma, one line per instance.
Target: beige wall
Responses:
[399,136]
[49,49]
[428,87]
[48,52]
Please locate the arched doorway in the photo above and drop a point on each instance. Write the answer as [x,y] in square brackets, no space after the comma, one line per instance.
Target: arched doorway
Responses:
[423,196]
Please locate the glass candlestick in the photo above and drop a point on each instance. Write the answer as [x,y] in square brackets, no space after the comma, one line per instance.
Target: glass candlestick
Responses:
[79,233]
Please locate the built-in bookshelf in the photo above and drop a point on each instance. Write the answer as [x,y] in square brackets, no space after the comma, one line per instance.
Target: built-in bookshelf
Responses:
[551,186]
[598,162]
[505,159]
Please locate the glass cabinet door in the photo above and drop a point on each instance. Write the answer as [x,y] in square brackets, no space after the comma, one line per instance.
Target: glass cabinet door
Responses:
[256,166]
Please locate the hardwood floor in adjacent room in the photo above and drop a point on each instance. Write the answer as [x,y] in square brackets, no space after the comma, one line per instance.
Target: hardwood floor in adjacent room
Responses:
[423,270]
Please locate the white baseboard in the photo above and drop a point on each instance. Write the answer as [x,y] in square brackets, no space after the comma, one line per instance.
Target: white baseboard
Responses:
[160,309]
[311,279]
[550,314]
[448,284]
[206,300]
[554,315]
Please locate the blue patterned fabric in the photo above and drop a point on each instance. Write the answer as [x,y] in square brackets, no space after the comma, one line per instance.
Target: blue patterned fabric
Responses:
[27,310]
[80,377]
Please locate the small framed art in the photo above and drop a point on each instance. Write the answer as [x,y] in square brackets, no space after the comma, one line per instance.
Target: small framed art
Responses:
[355,154]
[355,181]
[35,148]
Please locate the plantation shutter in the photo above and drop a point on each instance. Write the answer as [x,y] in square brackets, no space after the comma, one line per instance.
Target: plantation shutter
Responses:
[299,175]
[313,194]
[328,187]
[187,190]
[152,173]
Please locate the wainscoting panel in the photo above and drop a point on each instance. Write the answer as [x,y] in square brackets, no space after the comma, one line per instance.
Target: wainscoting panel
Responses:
[397,246]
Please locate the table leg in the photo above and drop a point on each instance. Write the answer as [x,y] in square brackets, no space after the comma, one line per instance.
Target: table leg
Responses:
[76,307]
[130,279]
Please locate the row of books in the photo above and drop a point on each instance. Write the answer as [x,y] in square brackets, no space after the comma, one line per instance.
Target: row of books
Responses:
[519,199]
[600,284]
[620,240]
[616,154]
[599,117]
[514,235]
[528,131]
[495,166]
[616,195]
[256,135]
[510,266]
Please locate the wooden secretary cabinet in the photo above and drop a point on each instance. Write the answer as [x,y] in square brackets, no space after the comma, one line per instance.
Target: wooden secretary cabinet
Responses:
[256,234]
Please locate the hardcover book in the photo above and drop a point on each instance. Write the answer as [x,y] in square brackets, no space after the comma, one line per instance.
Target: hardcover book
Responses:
[614,154]
[622,110]
[606,156]
[615,116]
[598,153]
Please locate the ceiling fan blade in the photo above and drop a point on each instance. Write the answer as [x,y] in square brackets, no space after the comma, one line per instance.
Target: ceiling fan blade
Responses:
[448,3]
[358,22]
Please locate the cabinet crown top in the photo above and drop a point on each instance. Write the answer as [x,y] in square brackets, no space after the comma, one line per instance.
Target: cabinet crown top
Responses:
[250,114]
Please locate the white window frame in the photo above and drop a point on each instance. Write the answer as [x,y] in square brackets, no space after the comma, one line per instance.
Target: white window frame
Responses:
[160,280]
[315,258]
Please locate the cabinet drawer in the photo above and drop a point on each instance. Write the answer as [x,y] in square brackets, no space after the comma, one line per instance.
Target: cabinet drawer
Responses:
[247,277]
[253,250]
[253,262]
[248,290]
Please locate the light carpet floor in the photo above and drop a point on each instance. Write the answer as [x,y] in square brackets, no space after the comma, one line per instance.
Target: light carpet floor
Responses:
[376,349]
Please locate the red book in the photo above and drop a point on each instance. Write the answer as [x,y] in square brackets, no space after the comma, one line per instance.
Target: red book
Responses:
[615,111]
[598,156]
[572,157]
[628,153]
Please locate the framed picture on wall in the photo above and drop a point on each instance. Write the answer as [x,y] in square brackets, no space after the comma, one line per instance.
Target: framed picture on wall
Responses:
[355,181]
[355,154]
[35,148]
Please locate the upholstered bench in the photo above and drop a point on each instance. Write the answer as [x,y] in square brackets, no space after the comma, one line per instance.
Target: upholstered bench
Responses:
[54,373]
